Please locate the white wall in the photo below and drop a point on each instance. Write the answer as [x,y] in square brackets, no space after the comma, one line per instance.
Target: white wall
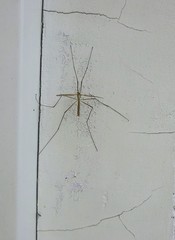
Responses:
[30,13]
[9,65]
[82,191]
[20,38]
[19,71]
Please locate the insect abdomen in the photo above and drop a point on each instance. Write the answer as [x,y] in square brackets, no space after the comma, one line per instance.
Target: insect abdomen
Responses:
[78,105]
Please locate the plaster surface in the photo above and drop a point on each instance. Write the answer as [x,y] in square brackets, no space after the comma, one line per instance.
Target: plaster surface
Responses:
[123,190]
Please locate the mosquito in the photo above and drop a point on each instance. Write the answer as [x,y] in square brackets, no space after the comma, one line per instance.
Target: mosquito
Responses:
[79,99]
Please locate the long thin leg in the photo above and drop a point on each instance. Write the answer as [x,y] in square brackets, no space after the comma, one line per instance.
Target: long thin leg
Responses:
[58,127]
[66,94]
[49,106]
[90,96]
[87,122]
[74,67]
[70,97]
[81,84]
[112,109]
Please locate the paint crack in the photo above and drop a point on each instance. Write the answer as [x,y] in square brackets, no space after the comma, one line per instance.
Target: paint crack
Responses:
[141,75]
[98,14]
[82,13]
[155,133]
[119,216]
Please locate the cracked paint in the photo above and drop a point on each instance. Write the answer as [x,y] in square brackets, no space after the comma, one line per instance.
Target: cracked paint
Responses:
[141,75]
[119,216]
[86,193]
[155,133]
[98,15]
[118,18]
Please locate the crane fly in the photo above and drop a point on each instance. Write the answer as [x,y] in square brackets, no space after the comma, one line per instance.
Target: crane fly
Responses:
[79,99]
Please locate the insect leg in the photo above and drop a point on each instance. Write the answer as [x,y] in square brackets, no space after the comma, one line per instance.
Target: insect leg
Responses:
[58,127]
[49,106]
[90,96]
[70,97]
[87,99]
[87,122]
[111,109]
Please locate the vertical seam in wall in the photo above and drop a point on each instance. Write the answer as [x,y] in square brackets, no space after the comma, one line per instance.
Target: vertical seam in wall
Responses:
[39,112]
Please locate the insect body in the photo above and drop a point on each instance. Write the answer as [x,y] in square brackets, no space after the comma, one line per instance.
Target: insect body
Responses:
[78,104]
[79,99]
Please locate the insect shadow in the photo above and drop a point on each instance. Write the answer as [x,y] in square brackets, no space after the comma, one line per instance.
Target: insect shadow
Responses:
[79,99]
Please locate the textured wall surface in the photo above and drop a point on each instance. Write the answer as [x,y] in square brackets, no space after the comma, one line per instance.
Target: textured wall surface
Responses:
[123,190]
[101,175]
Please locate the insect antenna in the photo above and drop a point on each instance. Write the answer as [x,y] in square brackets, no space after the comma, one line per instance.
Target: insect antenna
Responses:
[81,84]
[74,67]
